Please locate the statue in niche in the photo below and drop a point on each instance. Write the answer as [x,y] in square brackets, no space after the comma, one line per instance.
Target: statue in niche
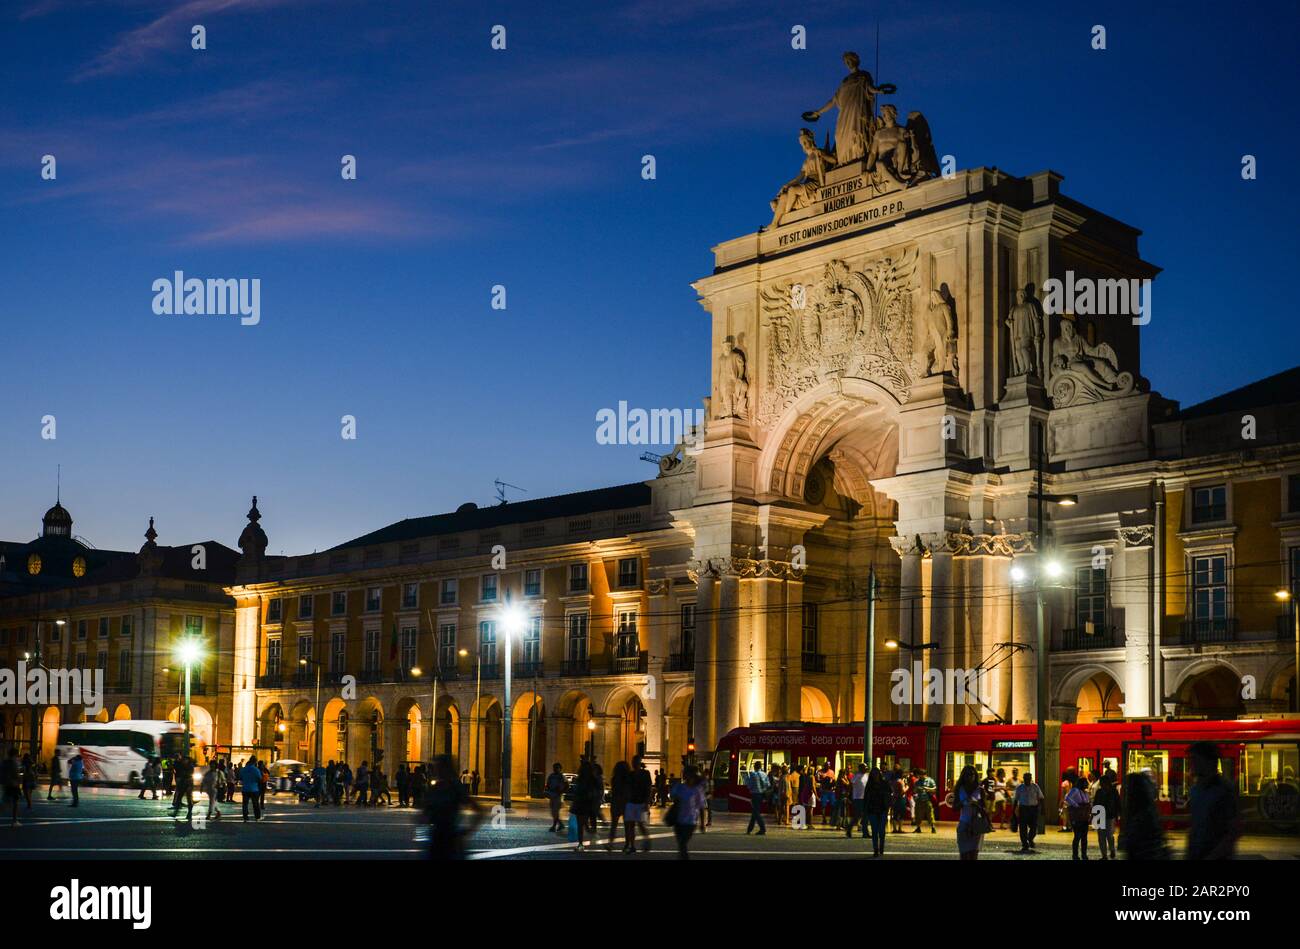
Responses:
[937,344]
[801,191]
[856,101]
[1085,373]
[733,382]
[901,154]
[1025,321]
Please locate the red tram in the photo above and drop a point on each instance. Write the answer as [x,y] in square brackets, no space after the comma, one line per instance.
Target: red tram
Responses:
[1261,756]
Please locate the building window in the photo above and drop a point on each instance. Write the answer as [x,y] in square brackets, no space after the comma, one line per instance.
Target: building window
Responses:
[487,587]
[101,660]
[374,599]
[487,643]
[193,625]
[371,661]
[576,641]
[410,596]
[532,583]
[1090,600]
[124,667]
[274,611]
[447,646]
[533,642]
[626,644]
[578,578]
[305,647]
[629,572]
[339,603]
[810,629]
[409,658]
[273,657]
[125,628]
[55,633]
[305,605]
[688,629]
[338,652]
[103,627]
[1209,504]
[1210,588]
[81,629]
[447,593]
[81,661]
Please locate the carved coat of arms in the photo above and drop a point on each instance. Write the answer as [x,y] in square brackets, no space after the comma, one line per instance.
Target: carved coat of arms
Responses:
[845,324]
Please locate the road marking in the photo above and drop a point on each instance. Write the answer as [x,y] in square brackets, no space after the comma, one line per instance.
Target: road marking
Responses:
[539,848]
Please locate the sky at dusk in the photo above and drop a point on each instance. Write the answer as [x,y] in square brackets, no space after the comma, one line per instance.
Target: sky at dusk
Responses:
[522,168]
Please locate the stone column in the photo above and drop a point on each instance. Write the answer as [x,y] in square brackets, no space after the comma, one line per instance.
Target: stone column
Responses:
[792,656]
[940,605]
[1024,632]
[727,662]
[910,620]
[764,599]
[464,743]
[1128,579]
[705,662]
[658,639]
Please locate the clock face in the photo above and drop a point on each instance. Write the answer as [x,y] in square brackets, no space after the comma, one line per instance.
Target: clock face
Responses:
[79,567]
[34,564]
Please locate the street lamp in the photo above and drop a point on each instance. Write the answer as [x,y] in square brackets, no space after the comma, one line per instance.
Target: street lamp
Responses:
[316,738]
[512,625]
[1285,596]
[895,644]
[591,739]
[188,652]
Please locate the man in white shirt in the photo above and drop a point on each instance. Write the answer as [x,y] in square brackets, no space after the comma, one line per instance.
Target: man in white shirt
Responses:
[859,795]
[1029,797]
[756,781]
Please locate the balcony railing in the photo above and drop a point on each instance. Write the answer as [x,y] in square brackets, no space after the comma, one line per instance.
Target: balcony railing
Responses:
[1222,630]
[1104,637]
[576,667]
[371,676]
[630,664]
[490,672]
[813,662]
[680,662]
[272,681]
[528,670]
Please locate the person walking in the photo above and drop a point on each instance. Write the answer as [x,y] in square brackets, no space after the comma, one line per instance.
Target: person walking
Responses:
[791,778]
[149,780]
[347,780]
[844,800]
[826,792]
[1213,806]
[619,788]
[1107,798]
[807,793]
[636,814]
[555,788]
[56,775]
[661,787]
[756,782]
[29,780]
[1141,835]
[184,769]
[445,801]
[923,795]
[688,800]
[587,793]
[361,783]
[250,788]
[973,822]
[1028,799]
[212,785]
[897,801]
[76,774]
[876,804]
[474,782]
[858,800]
[11,784]
[1079,811]
[779,792]
[318,783]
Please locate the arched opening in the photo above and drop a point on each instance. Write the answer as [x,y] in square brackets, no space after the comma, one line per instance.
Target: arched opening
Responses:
[408,714]
[102,716]
[334,731]
[1099,698]
[528,744]
[50,722]
[630,738]
[678,737]
[814,706]
[200,727]
[302,726]
[576,729]
[122,713]
[446,732]
[273,731]
[1214,692]
[369,723]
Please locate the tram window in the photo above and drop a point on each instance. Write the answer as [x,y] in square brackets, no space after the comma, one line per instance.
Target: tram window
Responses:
[1020,761]
[1083,767]
[749,757]
[1227,768]
[1156,764]
[1265,766]
[1109,764]
[957,760]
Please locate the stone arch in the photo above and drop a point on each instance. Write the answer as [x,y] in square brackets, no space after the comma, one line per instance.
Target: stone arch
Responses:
[302,732]
[485,742]
[624,714]
[815,705]
[201,730]
[334,731]
[271,736]
[51,719]
[1279,684]
[1066,691]
[122,713]
[102,716]
[528,743]
[854,416]
[1210,687]
[679,708]
[1100,697]
[367,731]
[446,729]
[410,722]
[574,740]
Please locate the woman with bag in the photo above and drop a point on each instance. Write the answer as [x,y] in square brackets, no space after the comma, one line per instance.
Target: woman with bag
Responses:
[973,823]
[587,793]
[1079,809]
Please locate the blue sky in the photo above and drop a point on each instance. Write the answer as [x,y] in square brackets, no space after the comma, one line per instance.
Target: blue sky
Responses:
[522,168]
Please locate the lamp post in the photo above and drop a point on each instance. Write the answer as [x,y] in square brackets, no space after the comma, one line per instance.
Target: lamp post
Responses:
[512,622]
[1285,596]
[913,648]
[316,737]
[591,739]
[868,749]
[189,652]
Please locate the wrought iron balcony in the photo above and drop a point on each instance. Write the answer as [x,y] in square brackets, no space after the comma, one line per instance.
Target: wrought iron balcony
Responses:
[813,662]
[528,670]
[1221,630]
[680,662]
[492,671]
[1104,637]
[370,676]
[630,664]
[576,667]
[272,681]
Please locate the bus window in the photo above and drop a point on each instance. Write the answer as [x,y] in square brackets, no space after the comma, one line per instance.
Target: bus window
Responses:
[1156,764]
[957,760]
[749,758]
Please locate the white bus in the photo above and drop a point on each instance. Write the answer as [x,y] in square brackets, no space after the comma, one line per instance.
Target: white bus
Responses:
[116,752]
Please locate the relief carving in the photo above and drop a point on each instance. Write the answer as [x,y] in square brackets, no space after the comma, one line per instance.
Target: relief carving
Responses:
[1085,373]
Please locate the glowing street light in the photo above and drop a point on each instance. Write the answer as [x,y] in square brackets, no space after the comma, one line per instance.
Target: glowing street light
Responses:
[512,620]
[189,652]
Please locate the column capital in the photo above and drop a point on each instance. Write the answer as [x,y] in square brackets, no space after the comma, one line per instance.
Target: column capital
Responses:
[744,568]
[1139,535]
